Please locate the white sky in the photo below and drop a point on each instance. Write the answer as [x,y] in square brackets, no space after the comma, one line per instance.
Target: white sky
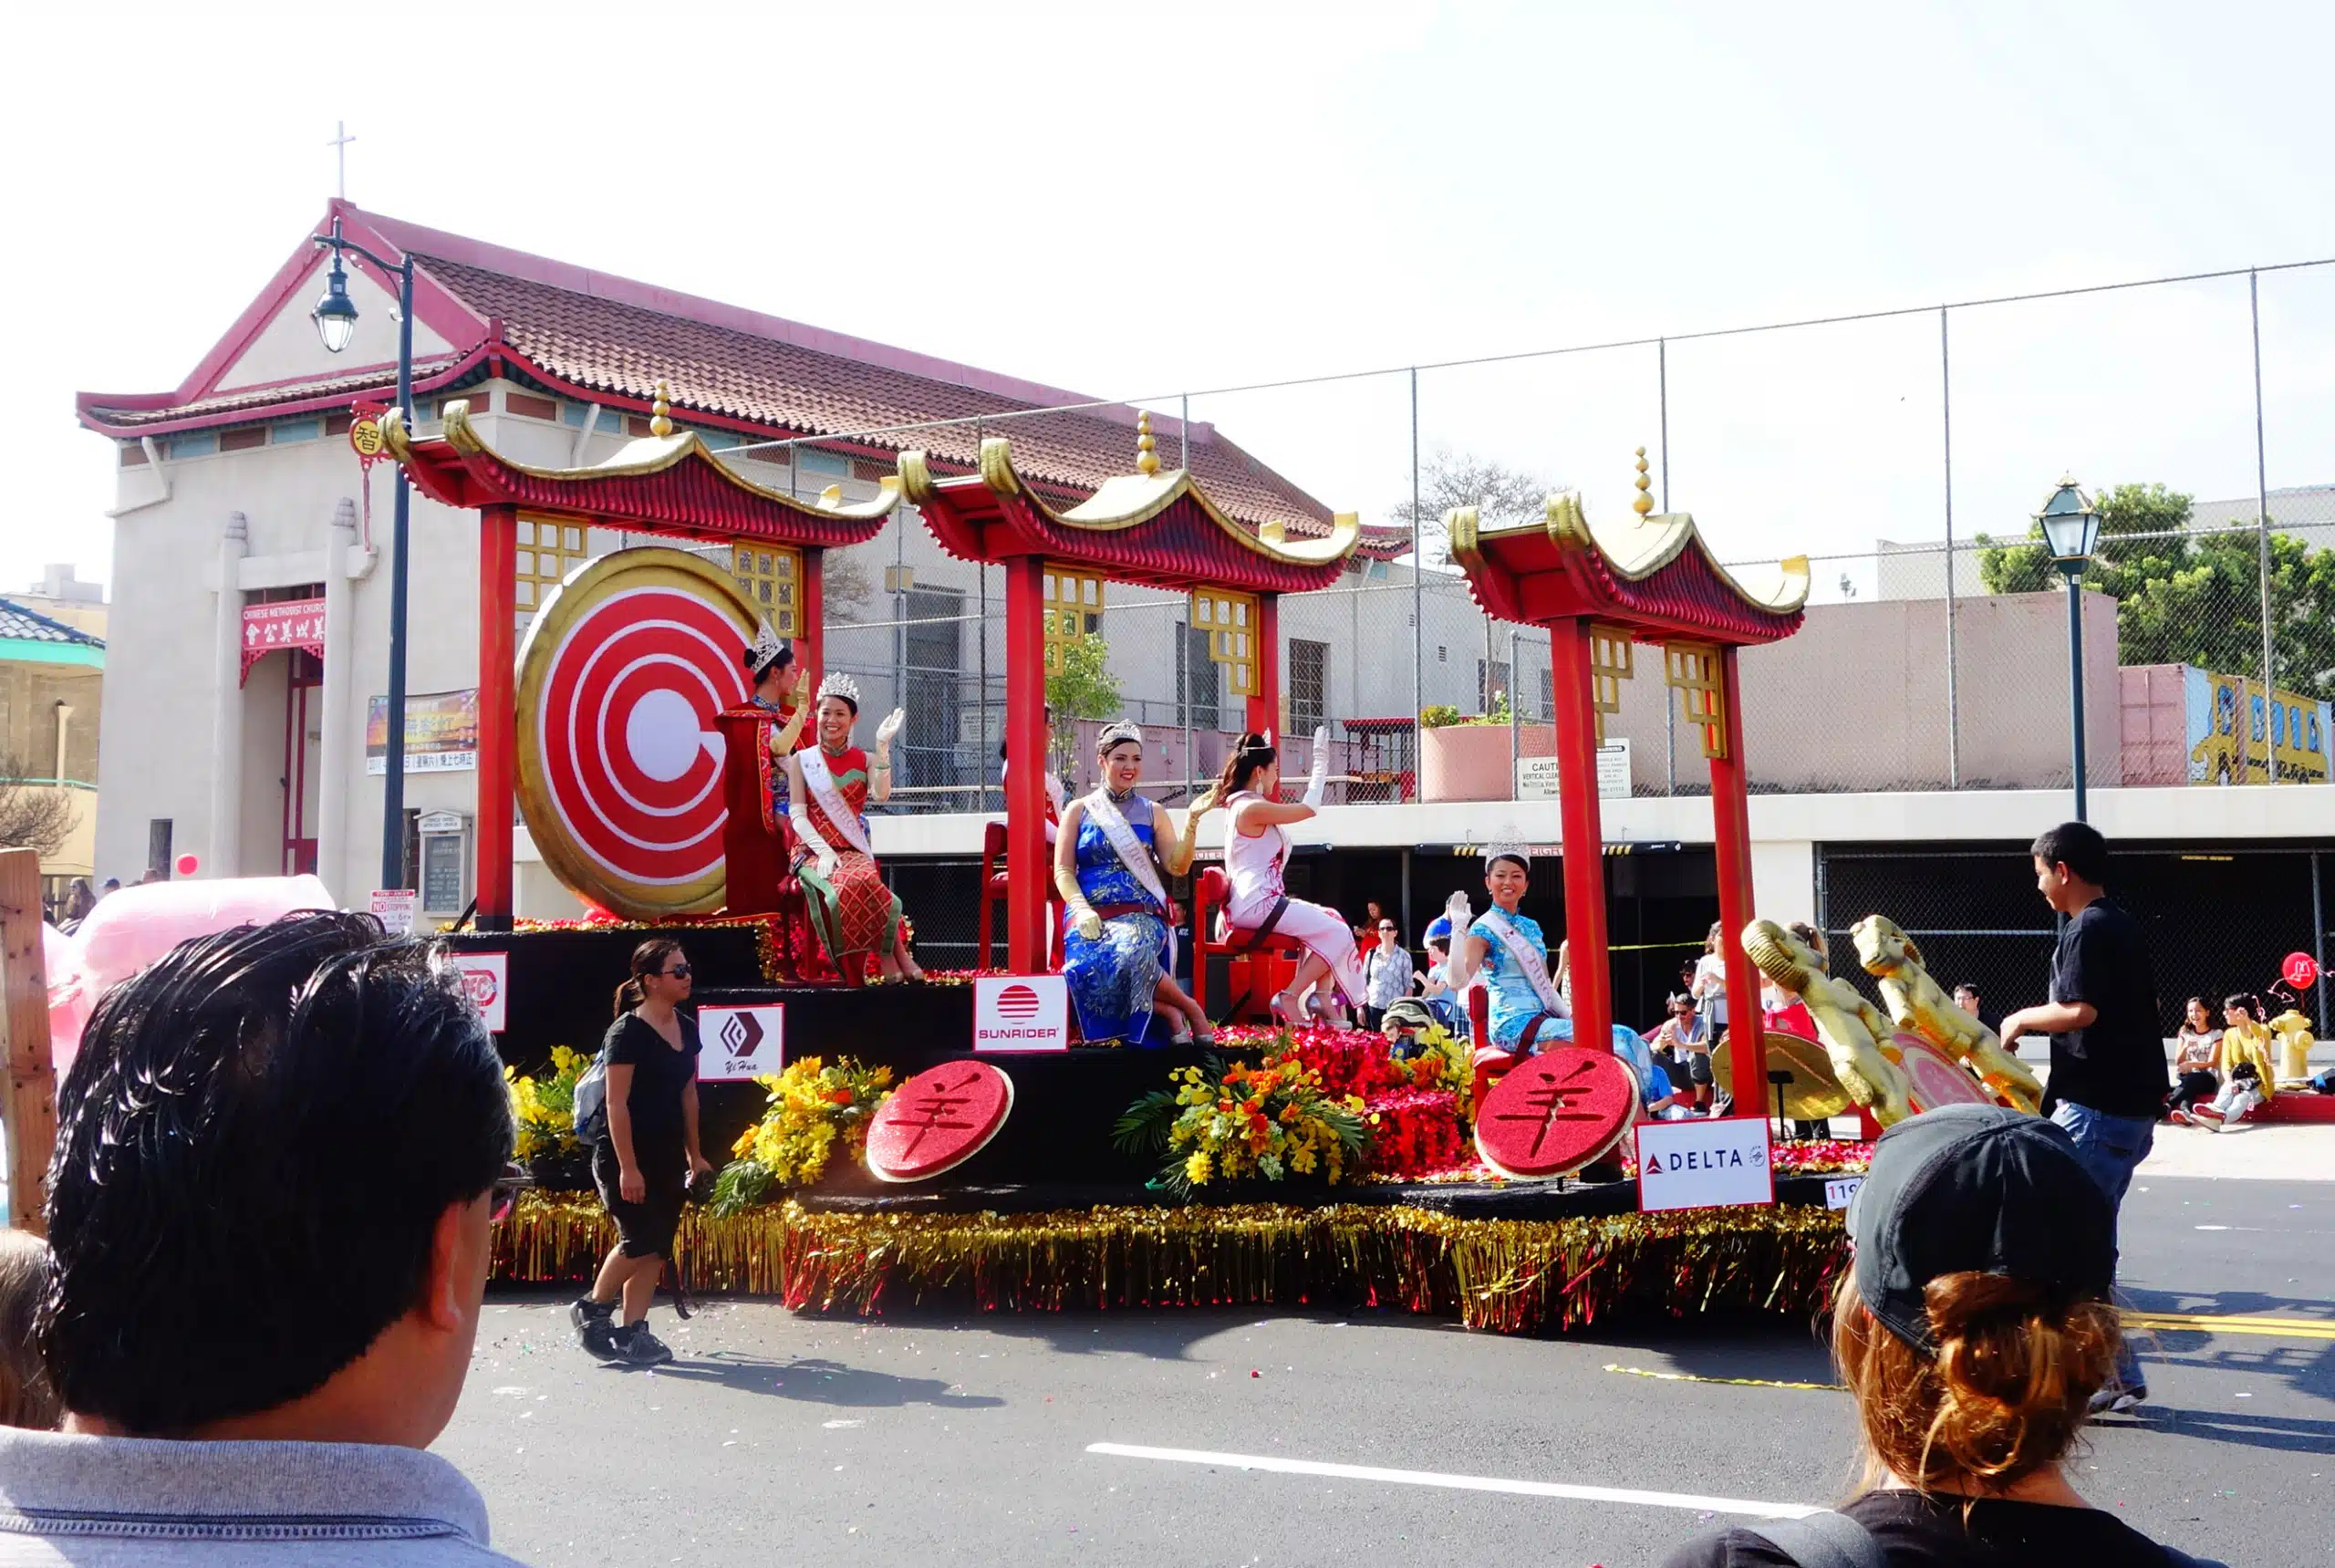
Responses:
[1130,200]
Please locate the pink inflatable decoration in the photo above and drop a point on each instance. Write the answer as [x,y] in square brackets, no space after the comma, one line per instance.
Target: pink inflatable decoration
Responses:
[131,929]
[70,996]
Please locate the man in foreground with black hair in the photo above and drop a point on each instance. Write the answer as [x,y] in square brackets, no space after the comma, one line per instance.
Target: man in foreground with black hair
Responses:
[2108,1082]
[278,1156]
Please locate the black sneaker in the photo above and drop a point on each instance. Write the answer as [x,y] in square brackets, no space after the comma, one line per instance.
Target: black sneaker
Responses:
[594,1325]
[2115,1401]
[636,1346]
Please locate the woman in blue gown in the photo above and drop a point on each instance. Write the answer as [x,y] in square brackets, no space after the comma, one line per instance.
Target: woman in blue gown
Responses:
[1113,855]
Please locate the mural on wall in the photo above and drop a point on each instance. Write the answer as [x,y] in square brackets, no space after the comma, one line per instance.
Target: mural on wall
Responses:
[2237,732]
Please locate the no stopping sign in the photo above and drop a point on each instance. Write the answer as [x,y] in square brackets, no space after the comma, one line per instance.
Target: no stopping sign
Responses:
[625,669]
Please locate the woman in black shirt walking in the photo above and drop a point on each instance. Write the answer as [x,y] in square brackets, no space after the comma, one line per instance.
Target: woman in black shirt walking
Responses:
[644,1167]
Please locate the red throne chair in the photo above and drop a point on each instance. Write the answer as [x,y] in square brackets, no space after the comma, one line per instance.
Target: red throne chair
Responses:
[1269,961]
[1491,1063]
[996,879]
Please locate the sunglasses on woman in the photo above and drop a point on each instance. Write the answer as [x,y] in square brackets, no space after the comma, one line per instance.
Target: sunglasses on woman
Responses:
[678,971]
[505,1193]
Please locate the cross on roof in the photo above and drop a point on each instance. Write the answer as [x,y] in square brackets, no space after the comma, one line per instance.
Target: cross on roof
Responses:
[339,145]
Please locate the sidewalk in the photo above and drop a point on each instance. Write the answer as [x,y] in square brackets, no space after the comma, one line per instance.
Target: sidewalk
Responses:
[2251,1150]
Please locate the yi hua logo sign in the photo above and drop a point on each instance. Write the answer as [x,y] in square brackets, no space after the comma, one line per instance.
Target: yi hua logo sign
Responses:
[487,978]
[741,1042]
[1020,1012]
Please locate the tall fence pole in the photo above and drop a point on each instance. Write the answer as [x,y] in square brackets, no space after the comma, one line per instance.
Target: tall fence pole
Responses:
[2261,498]
[2319,944]
[1184,640]
[1669,709]
[1419,603]
[1953,692]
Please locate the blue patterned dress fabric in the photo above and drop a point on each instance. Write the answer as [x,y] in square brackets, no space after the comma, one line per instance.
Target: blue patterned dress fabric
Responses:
[1112,978]
[1514,1003]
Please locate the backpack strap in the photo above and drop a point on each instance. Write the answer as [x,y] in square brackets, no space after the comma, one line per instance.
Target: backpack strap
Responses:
[1825,1540]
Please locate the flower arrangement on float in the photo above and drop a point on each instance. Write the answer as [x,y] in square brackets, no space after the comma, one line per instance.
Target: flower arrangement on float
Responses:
[1225,1122]
[815,1105]
[543,1108]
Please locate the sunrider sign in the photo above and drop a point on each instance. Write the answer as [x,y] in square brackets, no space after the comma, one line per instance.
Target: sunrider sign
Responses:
[1020,1012]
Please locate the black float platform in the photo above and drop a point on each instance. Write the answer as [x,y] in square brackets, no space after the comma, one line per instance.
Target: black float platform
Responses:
[562,988]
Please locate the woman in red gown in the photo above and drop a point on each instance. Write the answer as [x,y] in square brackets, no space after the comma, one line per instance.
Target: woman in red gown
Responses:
[828,787]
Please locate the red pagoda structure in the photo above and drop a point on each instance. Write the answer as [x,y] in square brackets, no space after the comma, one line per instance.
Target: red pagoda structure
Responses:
[1153,527]
[1600,590]
[667,484]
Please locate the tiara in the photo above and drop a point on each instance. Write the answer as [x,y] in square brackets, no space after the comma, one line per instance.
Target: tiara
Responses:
[835,683]
[769,648]
[1117,733]
[1515,851]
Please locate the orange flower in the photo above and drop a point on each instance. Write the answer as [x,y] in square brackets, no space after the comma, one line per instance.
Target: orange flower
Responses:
[840,1096]
[1288,1114]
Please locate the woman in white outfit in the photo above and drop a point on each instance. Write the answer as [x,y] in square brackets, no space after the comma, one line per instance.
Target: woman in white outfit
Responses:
[1255,848]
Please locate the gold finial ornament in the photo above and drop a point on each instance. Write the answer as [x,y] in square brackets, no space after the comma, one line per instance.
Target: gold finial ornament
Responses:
[1146,454]
[660,420]
[1642,503]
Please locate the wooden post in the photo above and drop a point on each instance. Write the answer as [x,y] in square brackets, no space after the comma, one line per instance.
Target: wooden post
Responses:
[498,712]
[1025,765]
[1264,707]
[1583,834]
[31,1105]
[1731,837]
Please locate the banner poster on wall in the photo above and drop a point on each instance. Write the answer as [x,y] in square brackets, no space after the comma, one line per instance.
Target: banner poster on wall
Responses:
[440,732]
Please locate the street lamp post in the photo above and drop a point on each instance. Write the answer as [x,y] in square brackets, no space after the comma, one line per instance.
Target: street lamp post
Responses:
[2071,532]
[336,320]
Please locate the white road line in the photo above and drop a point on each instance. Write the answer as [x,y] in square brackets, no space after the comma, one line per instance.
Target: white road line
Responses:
[1461,1483]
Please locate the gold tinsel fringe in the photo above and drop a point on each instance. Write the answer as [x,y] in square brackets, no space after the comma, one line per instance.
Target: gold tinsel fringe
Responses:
[1512,1275]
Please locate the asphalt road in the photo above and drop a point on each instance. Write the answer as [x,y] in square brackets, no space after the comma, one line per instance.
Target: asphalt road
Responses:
[780,1440]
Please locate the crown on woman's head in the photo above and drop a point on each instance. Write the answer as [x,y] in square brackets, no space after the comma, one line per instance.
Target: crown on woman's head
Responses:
[768,649]
[1513,851]
[835,683]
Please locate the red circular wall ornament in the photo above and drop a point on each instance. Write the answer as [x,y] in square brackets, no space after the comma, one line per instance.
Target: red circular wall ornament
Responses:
[2300,971]
[626,667]
[1556,1111]
[1934,1080]
[938,1120]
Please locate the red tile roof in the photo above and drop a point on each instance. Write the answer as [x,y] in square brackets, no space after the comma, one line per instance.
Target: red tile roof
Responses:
[600,334]
[608,345]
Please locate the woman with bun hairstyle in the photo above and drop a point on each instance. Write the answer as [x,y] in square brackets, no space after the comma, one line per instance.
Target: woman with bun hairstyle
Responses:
[644,1167]
[1973,1328]
[1255,850]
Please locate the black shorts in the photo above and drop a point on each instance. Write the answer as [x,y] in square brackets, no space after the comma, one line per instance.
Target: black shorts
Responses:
[1698,1066]
[644,1230]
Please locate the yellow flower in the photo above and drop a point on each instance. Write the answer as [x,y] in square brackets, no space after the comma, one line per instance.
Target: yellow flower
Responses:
[1196,1169]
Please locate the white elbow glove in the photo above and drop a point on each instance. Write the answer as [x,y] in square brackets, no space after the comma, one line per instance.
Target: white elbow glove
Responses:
[808,835]
[1319,784]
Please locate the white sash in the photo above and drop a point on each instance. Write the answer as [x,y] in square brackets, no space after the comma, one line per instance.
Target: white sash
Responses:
[1125,845]
[820,782]
[1529,959]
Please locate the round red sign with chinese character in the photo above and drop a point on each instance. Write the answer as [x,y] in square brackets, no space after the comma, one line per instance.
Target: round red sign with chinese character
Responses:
[938,1120]
[2301,971]
[627,667]
[1933,1079]
[1556,1111]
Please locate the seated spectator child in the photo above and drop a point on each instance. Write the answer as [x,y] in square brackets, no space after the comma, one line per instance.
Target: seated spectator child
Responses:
[2247,1077]
[2199,1054]
[25,1397]
[1972,1328]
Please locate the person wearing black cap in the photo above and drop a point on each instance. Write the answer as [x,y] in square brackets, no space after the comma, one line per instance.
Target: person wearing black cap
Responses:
[2109,1081]
[1972,1329]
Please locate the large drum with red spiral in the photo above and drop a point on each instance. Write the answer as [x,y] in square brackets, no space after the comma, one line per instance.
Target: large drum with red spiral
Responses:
[624,671]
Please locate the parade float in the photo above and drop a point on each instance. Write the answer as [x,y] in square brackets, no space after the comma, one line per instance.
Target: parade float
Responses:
[884,1150]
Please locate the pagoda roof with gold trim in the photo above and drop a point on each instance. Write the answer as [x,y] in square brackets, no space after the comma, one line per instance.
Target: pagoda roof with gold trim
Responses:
[1654,574]
[1154,527]
[667,481]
